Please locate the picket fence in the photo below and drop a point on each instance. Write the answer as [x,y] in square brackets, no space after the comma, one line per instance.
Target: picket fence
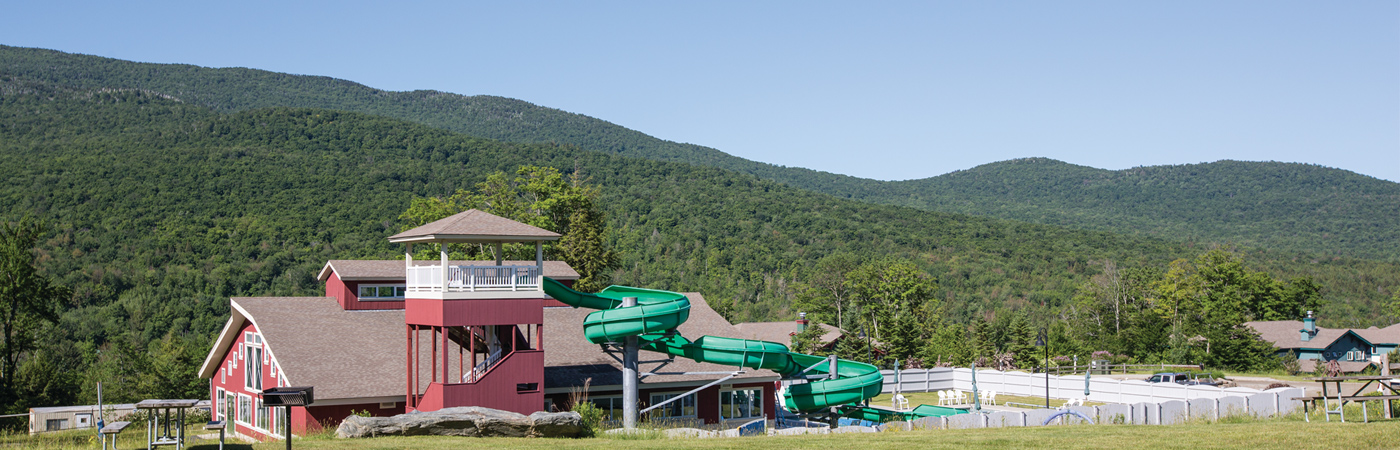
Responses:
[1101,388]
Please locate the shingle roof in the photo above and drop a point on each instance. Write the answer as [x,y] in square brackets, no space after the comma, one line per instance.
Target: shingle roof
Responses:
[1387,335]
[1285,334]
[475,226]
[781,332]
[360,354]
[569,358]
[360,269]
[344,354]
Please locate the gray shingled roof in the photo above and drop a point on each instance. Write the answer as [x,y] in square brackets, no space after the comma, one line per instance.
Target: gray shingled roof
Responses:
[475,226]
[344,354]
[569,358]
[359,354]
[361,269]
[1285,334]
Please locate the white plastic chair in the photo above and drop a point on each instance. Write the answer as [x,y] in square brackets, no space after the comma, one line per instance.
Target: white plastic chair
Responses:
[942,398]
[991,398]
[900,402]
[962,397]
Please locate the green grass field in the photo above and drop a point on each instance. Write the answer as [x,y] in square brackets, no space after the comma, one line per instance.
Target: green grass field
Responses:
[1272,434]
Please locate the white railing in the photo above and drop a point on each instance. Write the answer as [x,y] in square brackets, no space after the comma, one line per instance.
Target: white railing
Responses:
[473,278]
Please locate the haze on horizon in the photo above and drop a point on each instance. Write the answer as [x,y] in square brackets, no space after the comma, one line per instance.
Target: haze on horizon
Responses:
[888,91]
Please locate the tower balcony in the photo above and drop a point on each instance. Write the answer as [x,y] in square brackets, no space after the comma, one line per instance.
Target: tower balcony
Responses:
[473,281]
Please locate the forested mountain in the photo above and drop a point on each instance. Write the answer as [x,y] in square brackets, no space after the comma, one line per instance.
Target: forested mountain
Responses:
[1292,207]
[163,208]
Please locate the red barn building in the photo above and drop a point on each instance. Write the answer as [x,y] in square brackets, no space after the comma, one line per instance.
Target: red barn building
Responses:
[402,335]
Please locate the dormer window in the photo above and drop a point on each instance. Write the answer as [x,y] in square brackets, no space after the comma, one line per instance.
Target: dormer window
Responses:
[381,292]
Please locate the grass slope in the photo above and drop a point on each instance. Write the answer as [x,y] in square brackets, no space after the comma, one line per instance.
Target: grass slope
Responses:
[1281,206]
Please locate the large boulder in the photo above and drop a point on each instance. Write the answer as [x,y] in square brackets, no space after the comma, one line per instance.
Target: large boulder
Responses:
[471,421]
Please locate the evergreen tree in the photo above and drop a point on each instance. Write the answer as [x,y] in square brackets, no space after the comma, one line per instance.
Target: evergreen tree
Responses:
[29,300]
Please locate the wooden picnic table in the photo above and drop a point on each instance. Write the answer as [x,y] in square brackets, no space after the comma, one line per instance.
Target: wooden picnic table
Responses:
[156,435]
[1355,396]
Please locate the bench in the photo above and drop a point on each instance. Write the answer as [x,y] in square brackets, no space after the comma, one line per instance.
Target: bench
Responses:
[217,425]
[112,430]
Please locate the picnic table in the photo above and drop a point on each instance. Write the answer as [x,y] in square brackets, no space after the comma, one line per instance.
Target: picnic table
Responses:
[1355,396]
[158,428]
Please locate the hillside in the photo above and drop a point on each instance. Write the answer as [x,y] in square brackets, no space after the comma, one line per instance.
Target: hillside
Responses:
[1258,204]
[1291,207]
[253,202]
[162,209]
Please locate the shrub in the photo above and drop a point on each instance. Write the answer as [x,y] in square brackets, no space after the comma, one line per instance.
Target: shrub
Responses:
[592,417]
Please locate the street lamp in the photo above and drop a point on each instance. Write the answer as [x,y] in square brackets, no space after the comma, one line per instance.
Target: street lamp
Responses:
[1040,342]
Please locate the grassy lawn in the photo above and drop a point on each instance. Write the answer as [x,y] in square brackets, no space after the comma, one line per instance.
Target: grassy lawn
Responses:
[1266,434]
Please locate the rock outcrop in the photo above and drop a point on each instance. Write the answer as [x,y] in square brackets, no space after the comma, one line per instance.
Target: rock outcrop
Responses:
[471,421]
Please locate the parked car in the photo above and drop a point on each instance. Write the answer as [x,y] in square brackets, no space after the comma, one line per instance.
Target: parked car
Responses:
[1168,377]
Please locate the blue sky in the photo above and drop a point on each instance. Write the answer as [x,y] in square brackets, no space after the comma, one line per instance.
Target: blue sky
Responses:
[895,90]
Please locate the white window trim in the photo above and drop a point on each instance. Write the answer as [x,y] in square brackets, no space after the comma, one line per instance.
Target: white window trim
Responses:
[759,397]
[220,408]
[238,418]
[696,396]
[399,298]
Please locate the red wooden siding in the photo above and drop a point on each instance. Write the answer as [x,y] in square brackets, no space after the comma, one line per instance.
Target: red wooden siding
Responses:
[347,293]
[460,313]
[231,380]
[497,389]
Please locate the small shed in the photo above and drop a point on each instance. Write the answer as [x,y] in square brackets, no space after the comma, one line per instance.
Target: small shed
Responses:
[58,418]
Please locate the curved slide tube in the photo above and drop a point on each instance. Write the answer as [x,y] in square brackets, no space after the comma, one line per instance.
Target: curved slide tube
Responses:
[657,315]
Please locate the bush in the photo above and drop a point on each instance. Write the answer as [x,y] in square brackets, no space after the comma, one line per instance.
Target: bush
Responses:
[592,417]
[1290,363]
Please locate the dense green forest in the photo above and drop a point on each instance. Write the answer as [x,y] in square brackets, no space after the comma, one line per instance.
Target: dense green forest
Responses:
[1281,206]
[159,209]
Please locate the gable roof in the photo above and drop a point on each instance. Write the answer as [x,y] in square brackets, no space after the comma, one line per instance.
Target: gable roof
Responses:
[1381,336]
[345,354]
[361,354]
[474,226]
[390,269]
[569,358]
[1287,334]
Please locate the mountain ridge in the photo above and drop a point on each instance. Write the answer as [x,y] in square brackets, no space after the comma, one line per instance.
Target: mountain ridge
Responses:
[1365,225]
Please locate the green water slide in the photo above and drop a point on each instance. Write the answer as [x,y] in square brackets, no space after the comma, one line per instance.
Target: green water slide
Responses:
[658,313]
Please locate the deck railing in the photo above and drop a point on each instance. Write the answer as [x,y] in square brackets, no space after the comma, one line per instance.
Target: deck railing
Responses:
[473,278]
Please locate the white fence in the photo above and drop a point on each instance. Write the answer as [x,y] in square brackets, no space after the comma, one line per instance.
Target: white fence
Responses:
[1101,388]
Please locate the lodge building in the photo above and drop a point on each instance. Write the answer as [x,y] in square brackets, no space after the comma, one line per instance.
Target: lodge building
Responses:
[394,336]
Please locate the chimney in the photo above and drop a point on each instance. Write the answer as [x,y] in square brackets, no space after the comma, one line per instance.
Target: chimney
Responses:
[801,322]
[1309,327]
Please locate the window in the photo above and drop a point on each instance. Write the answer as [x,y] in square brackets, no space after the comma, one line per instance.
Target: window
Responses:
[680,408]
[611,407]
[55,424]
[245,409]
[253,369]
[741,403]
[262,415]
[219,412]
[381,292]
[275,420]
